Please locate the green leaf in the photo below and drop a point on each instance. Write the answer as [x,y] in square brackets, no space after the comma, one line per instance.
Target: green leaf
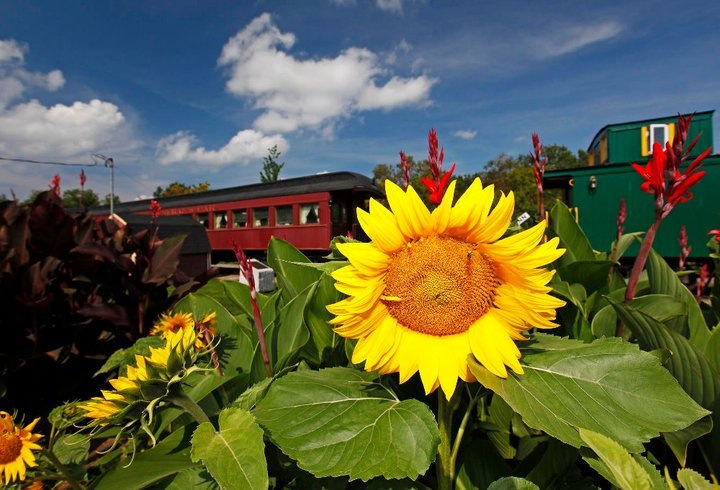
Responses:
[317,316]
[234,456]
[291,275]
[572,238]
[235,348]
[196,478]
[337,422]
[122,357]
[712,349]
[686,363]
[289,334]
[692,480]
[663,280]
[168,457]
[592,274]
[625,241]
[608,386]
[72,448]
[479,465]
[659,306]
[501,416]
[679,440]
[512,483]
[615,463]
[553,464]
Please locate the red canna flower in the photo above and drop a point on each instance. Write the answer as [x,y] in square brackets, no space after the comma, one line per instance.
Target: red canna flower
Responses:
[662,173]
[439,180]
[621,217]
[716,234]
[539,162]
[685,249]
[702,281]
[405,169]
[155,209]
[55,185]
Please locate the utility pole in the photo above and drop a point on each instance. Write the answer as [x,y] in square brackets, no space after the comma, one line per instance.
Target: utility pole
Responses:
[109,163]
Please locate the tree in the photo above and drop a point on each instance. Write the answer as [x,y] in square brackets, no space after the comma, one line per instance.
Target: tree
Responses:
[109,197]
[271,167]
[72,198]
[178,189]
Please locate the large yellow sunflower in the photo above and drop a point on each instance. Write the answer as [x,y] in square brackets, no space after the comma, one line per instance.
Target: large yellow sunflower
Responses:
[433,287]
[16,447]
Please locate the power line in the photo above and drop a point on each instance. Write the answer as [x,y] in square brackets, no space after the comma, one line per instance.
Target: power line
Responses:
[40,162]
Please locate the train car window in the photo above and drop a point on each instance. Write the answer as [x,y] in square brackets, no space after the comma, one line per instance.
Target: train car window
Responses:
[338,212]
[220,220]
[283,215]
[204,219]
[309,213]
[239,217]
[261,216]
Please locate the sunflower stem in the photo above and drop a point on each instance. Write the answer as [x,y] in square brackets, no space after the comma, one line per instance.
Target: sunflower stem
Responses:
[461,429]
[62,469]
[444,465]
[183,401]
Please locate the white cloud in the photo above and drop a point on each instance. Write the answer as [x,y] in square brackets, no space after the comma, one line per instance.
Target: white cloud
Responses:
[563,41]
[466,134]
[246,146]
[61,131]
[30,129]
[11,49]
[298,93]
[15,79]
[390,5]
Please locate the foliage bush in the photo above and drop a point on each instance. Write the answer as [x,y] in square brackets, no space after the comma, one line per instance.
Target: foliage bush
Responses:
[73,290]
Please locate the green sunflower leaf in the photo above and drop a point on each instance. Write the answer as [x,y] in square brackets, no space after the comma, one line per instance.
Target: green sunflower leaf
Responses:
[338,422]
[608,386]
[679,441]
[613,462]
[691,479]
[234,456]
[512,483]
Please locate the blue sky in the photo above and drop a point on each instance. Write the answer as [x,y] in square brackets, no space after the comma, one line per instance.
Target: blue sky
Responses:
[194,91]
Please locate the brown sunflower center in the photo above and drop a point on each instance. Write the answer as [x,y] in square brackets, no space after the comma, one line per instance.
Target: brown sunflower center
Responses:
[10,446]
[439,285]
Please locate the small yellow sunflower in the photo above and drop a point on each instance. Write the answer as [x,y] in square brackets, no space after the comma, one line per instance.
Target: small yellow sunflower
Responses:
[171,323]
[16,447]
[179,345]
[433,287]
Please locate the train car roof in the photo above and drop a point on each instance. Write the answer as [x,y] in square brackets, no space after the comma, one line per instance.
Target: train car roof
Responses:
[327,182]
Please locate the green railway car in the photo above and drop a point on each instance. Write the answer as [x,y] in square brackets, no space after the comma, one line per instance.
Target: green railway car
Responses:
[594,192]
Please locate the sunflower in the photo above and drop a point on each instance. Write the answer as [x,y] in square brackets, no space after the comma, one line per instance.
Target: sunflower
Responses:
[171,323]
[16,447]
[162,364]
[433,287]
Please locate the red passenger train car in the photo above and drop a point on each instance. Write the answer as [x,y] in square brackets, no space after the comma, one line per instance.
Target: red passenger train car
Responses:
[305,211]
